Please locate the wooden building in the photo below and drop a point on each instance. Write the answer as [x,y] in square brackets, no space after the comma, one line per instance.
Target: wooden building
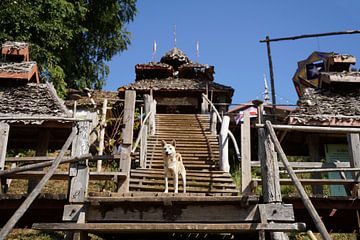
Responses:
[177,84]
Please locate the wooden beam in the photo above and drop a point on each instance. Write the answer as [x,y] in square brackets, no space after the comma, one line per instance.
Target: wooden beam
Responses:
[33,195]
[305,198]
[246,155]
[314,129]
[169,227]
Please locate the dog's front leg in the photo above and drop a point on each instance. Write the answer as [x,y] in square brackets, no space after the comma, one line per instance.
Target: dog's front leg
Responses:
[166,183]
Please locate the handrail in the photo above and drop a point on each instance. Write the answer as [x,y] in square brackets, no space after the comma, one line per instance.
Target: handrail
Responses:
[140,132]
[238,155]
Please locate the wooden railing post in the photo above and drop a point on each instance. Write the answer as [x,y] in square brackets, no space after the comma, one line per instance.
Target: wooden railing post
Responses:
[213,123]
[127,138]
[4,135]
[204,106]
[270,175]
[224,145]
[143,147]
[245,155]
[152,121]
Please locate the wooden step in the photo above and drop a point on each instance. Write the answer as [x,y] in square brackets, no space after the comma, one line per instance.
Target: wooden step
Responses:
[169,227]
[161,188]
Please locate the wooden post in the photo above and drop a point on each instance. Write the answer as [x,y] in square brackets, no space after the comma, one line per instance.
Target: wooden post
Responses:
[305,198]
[245,155]
[33,195]
[213,123]
[152,121]
[354,150]
[314,153]
[102,134]
[270,175]
[79,172]
[4,136]
[41,150]
[224,145]
[127,138]
[143,147]
[204,106]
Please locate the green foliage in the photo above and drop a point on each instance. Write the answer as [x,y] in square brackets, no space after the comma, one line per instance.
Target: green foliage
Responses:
[71,40]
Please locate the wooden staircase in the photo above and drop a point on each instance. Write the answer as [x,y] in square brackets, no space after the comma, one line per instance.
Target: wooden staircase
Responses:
[200,152]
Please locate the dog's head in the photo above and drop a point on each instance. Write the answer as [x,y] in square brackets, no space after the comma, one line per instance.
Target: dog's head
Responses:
[169,148]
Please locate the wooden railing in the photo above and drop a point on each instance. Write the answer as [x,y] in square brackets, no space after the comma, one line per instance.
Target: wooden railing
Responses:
[224,134]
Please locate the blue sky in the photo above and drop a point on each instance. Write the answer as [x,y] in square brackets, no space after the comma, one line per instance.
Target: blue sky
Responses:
[229,32]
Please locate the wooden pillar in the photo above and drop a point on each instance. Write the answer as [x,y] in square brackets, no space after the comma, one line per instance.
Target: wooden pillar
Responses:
[270,175]
[213,123]
[102,134]
[245,155]
[127,138]
[224,144]
[314,153]
[79,173]
[354,152]
[4,136]
[41,150]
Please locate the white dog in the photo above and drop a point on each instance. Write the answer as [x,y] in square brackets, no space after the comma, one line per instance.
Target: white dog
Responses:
[173,165]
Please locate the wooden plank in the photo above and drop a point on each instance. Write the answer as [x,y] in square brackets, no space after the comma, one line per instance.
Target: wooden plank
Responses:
[4,135]
[33,195]
[185,211]
[246,155]
[354,151]
[169,227]
[306,200]
[313,142]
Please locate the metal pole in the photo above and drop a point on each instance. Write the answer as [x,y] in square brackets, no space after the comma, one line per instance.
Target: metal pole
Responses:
[273,98]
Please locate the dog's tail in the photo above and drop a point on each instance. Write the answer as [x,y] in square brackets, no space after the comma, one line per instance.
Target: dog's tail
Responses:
[178,157]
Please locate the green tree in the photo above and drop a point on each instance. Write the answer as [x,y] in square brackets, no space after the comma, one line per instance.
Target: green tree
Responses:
[71,40]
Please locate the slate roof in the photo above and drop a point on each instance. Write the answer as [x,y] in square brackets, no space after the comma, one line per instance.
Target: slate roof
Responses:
[176,84]
[327,108]
[31,100]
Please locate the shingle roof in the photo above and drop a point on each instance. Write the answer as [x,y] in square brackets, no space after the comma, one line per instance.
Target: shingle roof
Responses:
[175,84]
[31,100]
[327,107]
